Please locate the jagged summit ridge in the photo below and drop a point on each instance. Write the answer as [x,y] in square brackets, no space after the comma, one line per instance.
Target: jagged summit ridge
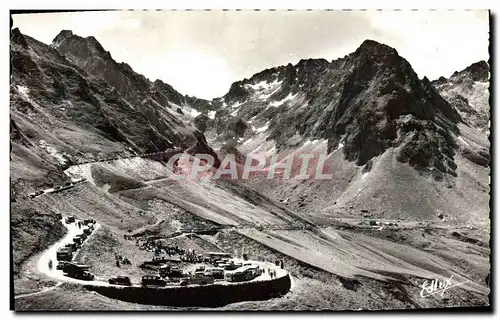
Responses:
[88,54]
[78,85]
[371,100]
[468,92]
[376,48]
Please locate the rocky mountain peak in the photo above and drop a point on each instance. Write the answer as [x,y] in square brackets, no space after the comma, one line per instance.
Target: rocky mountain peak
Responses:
[375,48]
[468,92]
[367,102]
[62,36]
[87,46]
[312,63]
[17,37]
[478,71]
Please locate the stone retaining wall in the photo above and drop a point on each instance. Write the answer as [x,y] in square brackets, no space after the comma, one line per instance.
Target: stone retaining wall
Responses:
[216,295]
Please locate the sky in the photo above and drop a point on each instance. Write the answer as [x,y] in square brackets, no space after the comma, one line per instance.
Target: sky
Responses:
[202,53]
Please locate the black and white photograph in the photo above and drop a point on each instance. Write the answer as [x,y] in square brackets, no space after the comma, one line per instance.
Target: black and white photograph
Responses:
[250,160]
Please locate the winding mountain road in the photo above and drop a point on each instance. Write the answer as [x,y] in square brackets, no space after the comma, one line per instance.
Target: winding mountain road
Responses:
[42,264]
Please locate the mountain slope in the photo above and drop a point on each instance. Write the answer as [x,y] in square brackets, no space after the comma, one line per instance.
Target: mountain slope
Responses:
[78,112]
[371,100]
[88,54]
[396,148]
[468,92]
[368,112]
[62,114]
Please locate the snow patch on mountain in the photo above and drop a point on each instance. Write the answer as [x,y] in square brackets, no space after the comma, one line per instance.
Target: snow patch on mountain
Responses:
[269,93]
[258,86]
[194,113]
[287,99]
[24,91]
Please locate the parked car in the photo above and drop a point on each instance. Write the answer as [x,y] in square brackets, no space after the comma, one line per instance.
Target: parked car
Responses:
[72,246]
[153,281]
[164,270]
[121,280]
[201,279]
[175,272]
[36,193]
[61,265]
[72,267]
[245,273]
[216,273]
[70,219]
[88,221]
[82,275]
[232,266]
[64,254]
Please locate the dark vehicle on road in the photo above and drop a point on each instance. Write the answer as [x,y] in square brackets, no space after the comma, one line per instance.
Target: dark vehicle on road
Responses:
[217,273]
[65,186]
[70,219]
[77,240]
[81,275]
[201,279]
[71,267]
[120,280]
[164,270]
[61,265]
[232,266]
[171,272]
[36,193]
[72,246]
[245,273]
[175,272]
[88,221]
[153,281]
[64,254]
